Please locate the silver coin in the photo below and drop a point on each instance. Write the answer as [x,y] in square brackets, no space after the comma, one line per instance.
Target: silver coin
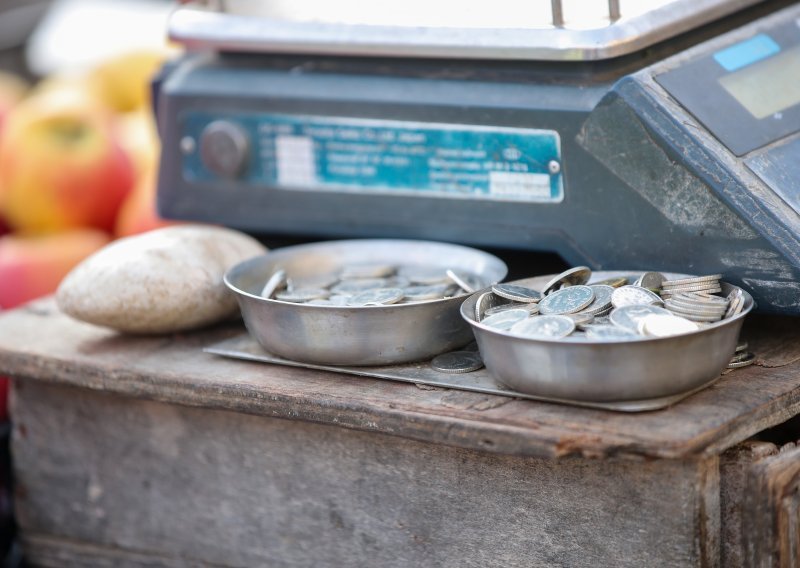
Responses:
[426,275]
[742,346]
[530,308]
[505,320]
[457,362]
[275,282]
[580,318]
[320,302]
[572,277]
[736,303]
[316,281]
[650,280]
[744,362]
[711,289]
[567,301]
[372,270]
[697,309]
[378,297]
[633,296]
[481,305]
[339,300]
[699,303]
[516,293]
[358,286]
[600,332]
[740,356]
[660,325]
[544,327]
[692,280]
[602,299]
[613,282]
[466,282]
[628,317]
[299,295]
[426,292]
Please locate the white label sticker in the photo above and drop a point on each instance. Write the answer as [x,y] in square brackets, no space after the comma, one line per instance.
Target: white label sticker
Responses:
[295,160]
[512,184]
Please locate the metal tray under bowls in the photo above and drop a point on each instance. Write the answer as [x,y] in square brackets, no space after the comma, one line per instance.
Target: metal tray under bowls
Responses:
[617,370]
[346,335]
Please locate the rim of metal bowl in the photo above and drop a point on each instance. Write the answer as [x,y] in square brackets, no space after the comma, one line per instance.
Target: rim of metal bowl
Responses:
[470,318]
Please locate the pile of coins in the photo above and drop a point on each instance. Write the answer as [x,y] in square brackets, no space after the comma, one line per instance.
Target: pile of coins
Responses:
[363,285]
[621,308]
[742,357]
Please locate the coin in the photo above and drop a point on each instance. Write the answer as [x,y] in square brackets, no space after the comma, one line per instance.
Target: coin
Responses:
[356,271]
[572,277]
[692,280]
[711,289]
[481,305]
[457,362]
[736,303]
[580,318]
[660,325]
[461,281]
[426,275]
[633,296]
[426,292]
[276,281]
[377,297]
[504,320]
[544,327]
[316,281]
[742,346]
[300,295]
[749,360]
[740,356]
[567,301]
[358,285]
[628,317]
[650,280]
[602,299]
[530,308]
[613,282]
[516,293]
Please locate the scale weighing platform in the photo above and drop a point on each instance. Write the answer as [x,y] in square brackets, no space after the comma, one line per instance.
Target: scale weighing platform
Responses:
[657,134]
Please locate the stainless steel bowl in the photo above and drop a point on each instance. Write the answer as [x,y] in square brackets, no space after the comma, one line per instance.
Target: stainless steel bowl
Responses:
[374,335]
[606,371]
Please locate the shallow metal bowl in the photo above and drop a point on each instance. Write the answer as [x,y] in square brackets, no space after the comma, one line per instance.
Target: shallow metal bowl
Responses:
[635,369]
[374,335]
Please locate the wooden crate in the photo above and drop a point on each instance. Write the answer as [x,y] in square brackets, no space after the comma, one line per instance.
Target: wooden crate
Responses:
[144,451]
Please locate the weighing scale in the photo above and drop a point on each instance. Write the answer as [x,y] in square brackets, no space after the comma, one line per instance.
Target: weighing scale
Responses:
[647,134]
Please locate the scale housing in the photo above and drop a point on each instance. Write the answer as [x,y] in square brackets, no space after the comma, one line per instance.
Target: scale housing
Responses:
[666,138]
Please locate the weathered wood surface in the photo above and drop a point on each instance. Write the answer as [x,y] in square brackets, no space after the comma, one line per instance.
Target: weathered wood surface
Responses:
[734,465]
[108,480]
[37,342]
[771,511]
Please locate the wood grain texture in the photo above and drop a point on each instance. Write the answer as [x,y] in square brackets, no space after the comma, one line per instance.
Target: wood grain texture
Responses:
[735,464]
[181,486]
[771,511]
[39,343]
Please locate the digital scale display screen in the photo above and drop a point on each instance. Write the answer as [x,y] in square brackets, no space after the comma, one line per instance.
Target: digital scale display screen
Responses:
[767,87]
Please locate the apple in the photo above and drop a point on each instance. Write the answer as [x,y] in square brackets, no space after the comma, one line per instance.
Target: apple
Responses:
[33,266]
[61,164]
[138,212]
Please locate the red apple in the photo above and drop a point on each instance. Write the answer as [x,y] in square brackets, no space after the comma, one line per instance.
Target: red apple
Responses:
[33,266]
[61,165]
[12,90]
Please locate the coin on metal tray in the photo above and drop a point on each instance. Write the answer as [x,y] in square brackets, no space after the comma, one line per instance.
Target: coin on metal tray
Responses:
[572,277]
[692,280]
[567,301]
[303,295]
[426,292]
[276,281]
[544,327]
[377,297]
[660,325]
[616,282]
[466,282]
[457,362]
[634,296]
[736,303]
[628,317]
[650,280]
[504,320]
[602,299]
[355,271]
[482,304]
[749,360]
[426,275]
[516,293]
[530,308]
[358,285]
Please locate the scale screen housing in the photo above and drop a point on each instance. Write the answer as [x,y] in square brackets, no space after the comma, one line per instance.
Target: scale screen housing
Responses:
[661,135]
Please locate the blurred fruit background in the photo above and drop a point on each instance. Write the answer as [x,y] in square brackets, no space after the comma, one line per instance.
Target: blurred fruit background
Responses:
[78,143]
